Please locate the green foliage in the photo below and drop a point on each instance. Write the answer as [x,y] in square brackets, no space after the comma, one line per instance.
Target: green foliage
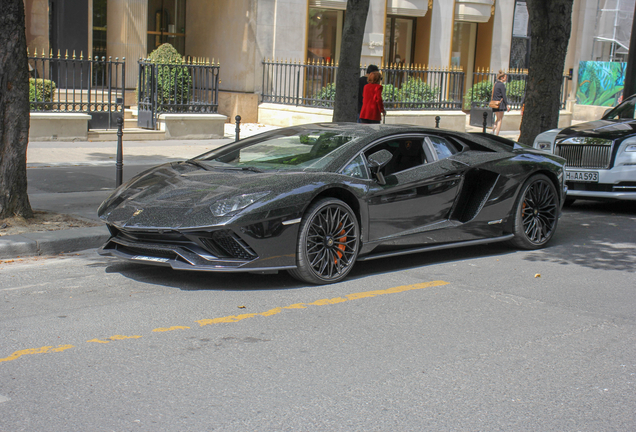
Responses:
[326,96]
[174,83]
[41,90]
[414,93]
[482,92]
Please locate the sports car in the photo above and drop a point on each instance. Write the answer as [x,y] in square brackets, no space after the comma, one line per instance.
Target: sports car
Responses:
[600,155]
[314,199]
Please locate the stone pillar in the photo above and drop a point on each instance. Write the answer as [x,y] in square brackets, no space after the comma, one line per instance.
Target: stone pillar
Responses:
[502,35]
[441,33]
[126,36]
[373,42]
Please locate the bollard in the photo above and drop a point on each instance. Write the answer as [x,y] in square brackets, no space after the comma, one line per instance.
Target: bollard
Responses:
[120,150]
[485,121]
[238,127]
[437,119]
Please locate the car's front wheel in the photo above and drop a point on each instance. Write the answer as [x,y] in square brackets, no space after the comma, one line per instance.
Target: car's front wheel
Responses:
[328,242]
[536,213]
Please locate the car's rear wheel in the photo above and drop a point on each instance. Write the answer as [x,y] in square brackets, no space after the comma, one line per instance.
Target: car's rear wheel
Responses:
[536,213]
[328,242]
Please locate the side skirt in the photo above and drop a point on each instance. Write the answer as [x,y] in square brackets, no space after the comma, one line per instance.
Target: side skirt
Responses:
[435,247]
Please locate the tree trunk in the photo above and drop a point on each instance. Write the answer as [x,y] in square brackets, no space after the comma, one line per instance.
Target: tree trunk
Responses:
[550,25]
[346,104]
[14,111]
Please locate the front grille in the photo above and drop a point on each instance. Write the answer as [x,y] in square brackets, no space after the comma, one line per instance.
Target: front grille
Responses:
[585,152]
[585,156]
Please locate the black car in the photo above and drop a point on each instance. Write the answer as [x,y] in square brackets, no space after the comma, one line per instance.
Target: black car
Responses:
[600,155]
[314,199]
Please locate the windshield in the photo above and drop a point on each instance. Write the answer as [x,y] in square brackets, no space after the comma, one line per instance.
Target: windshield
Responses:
[288,150]
[623,111]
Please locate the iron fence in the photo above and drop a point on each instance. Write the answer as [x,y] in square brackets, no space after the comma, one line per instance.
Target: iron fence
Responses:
[188,87]
[405,87]
[480,93]
[71,84]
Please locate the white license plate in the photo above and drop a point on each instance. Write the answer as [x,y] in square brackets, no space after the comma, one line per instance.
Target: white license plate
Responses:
[582,176]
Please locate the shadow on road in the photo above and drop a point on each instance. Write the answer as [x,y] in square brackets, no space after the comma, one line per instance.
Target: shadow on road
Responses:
[598,235]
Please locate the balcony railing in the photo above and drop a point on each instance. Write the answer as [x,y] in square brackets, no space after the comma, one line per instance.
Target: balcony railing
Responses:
[70,84]
[409,87]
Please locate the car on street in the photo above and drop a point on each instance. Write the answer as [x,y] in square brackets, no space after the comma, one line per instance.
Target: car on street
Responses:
[600,155]
[314,199]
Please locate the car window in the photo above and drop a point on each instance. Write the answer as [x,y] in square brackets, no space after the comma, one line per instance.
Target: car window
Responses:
[305,149]
[442,148]
[356,168]
[623,111]
[407,153]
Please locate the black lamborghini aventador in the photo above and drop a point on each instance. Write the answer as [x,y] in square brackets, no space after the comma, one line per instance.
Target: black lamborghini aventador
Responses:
[316,198]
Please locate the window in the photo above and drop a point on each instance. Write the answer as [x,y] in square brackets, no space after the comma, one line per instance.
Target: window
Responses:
[398,40]
[356,168]
[407,153]
[442,148]
[166,23]
[325,34]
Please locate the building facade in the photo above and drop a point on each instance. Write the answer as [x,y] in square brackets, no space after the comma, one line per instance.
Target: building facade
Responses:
[473,35]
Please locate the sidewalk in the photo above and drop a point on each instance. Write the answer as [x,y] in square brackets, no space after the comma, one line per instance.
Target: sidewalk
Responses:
[60,192]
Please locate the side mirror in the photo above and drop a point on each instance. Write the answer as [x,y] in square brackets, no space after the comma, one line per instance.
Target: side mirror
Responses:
[377,161]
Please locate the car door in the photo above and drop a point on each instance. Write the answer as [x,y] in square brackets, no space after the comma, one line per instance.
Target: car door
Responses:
[416,200]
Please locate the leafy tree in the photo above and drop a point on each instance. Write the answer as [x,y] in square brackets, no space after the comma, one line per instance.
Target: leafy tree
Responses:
[346,103]
[14,111]
[550,25]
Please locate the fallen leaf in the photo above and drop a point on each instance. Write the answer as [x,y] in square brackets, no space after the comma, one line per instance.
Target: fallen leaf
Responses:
[538,275]
[241,307]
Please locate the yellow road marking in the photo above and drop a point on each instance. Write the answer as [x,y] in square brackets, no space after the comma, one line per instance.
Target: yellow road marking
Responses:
[43,350]
[236,318]
[113,338]
[323,302]
[165,329]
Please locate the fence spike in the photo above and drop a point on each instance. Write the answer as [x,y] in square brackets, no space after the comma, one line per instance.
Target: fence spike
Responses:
[36,52]
[27,51]
[73,54]
[66,55]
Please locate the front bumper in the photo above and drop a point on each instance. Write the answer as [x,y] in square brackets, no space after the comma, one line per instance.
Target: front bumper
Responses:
[618,183]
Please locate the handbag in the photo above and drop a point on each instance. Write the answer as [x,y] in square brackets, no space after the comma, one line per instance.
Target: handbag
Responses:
[494,103]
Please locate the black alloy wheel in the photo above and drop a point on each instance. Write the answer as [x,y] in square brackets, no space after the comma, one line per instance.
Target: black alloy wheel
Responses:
[536,213]
[328,242]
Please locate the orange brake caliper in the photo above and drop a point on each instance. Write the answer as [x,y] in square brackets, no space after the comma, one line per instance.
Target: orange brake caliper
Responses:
[340,246]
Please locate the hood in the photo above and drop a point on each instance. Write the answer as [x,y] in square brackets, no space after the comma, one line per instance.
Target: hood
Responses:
[180,194]
[606,129]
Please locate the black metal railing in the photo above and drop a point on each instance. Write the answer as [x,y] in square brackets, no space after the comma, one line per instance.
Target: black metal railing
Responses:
[71,84]
[405,87]
[480,92]
[188,87]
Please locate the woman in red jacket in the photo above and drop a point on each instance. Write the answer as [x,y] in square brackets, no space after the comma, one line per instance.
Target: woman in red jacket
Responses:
[372,106]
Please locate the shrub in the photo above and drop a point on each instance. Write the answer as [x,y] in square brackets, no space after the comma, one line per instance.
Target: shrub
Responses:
[416,93]
[482,92]
[41,90]
[174,83]
[325,96]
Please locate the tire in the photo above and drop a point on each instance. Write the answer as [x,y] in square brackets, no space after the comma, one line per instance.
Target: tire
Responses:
[328,242]
[536,213]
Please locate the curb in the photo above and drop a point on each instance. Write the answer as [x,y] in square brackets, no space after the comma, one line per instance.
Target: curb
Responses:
[52,242]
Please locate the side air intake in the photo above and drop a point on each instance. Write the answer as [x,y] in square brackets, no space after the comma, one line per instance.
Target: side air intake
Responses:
[476,189]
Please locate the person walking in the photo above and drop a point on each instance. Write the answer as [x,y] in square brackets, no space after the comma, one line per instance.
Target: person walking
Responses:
[499,94]
[372,105]
[363,82]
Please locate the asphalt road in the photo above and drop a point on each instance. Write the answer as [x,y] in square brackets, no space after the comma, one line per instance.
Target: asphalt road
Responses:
[483,338]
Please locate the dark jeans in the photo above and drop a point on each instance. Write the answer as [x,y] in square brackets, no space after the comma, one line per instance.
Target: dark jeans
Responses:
[368,121]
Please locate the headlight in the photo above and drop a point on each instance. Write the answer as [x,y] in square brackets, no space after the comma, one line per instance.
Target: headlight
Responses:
[239,202]
[631,148]
[544,146]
